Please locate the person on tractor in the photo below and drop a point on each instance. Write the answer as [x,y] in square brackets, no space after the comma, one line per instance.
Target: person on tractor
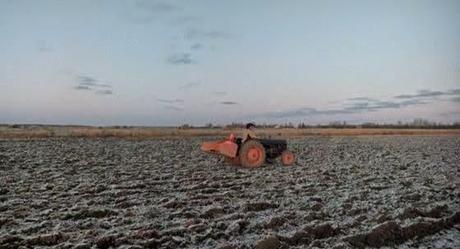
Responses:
[250,150]
[249,132]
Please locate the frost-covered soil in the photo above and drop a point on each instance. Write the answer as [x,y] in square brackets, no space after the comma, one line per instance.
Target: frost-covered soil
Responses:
[342,193]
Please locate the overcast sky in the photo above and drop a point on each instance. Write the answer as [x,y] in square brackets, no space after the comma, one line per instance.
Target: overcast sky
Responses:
[175,62]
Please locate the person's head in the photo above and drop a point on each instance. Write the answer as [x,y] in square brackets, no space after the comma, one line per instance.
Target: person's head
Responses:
[250,126]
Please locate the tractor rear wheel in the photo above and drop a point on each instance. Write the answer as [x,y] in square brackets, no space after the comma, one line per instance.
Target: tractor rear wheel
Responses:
[252,154]
[287,158]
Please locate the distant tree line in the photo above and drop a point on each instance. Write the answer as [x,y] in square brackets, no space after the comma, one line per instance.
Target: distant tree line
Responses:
[415,124]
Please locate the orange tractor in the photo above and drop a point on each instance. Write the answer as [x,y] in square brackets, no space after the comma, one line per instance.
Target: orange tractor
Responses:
[252,153]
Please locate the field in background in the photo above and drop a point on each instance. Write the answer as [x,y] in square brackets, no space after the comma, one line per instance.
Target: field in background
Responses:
[43,131]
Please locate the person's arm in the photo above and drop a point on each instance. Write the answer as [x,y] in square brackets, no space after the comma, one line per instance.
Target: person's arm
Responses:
[252,134]
[246,135]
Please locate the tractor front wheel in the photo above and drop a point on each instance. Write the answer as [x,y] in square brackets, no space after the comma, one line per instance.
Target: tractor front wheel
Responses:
[252,154]
[287,158]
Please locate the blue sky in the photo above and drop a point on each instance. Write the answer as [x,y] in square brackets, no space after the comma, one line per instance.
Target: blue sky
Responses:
[174,62]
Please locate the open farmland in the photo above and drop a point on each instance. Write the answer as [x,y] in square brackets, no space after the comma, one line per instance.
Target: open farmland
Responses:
[343,192]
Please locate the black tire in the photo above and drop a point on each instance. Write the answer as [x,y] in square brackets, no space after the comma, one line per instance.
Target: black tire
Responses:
[252,154]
